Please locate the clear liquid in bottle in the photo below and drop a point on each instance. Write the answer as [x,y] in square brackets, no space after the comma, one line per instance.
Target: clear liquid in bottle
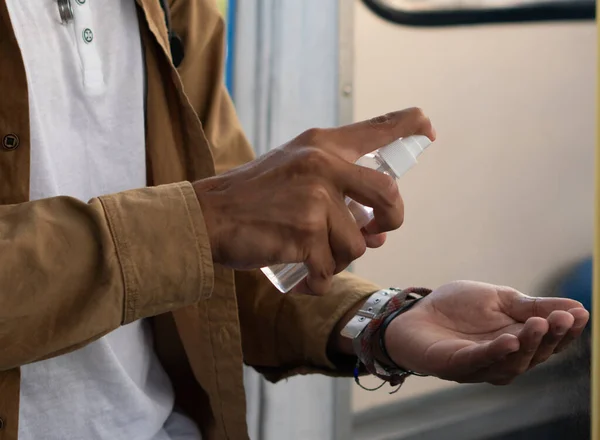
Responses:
[394,160]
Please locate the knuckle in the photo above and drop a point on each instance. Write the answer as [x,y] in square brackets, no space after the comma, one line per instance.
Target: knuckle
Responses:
[318,194]
[311,217]
[330,267]
[416,112]
[312,159]
[392,202]
[400,221]
[357,249]
[508,290]
[425,125]
[353,250]
[422,121]
[383,121]
[311,137]
[390,193]
[326,269]
[311,223]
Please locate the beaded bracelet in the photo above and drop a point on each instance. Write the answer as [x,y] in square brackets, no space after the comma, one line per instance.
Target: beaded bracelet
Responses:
[395,375]
[387,321]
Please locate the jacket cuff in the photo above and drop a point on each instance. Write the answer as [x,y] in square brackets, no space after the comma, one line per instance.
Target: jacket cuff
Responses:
[305,324]
[162,246]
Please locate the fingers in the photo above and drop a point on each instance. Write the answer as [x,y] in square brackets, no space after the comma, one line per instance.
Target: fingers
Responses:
[334,251]
[522,307]
[560,323]
[368,187]
[363,215]
[530,338]
[507,369]
[353,141]
[537,341]
[580,320]
[321,267]
[345,237]
[377,190]
[374,241]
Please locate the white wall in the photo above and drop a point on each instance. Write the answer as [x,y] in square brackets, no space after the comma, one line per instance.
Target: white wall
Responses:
[505,195]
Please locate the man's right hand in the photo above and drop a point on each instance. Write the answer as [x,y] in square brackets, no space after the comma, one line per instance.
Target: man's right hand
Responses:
[288,205]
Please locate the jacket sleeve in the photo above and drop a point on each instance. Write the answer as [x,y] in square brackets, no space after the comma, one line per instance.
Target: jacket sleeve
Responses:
[281,334]
[70,272]
[284,335]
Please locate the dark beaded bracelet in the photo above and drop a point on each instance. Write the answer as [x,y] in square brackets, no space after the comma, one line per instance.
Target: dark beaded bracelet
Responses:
[405,307]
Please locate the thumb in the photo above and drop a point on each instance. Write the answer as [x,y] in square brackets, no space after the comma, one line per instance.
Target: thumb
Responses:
[522,307]
[353,141]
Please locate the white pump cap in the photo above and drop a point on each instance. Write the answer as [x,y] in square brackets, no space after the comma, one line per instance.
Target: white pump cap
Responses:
[401,155]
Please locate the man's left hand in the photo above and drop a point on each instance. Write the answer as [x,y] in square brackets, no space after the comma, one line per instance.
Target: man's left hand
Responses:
[474,332]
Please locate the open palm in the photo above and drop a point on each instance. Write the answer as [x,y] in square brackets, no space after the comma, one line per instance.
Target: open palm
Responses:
[475,332]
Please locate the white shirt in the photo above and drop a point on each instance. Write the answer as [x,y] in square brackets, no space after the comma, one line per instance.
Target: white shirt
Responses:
[86,99]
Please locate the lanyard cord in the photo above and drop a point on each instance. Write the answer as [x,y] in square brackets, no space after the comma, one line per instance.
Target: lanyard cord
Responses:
[177,50]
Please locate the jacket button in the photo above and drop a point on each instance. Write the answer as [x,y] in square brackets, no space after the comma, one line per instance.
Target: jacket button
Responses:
[10,142]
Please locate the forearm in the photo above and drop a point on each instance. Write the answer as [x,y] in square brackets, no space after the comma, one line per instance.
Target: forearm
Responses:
[70,272]
[291,334]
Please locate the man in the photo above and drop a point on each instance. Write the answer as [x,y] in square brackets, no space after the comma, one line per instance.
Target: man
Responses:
[129,317]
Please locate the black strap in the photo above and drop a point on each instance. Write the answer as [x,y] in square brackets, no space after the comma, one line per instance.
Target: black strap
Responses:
[405,307]
[384,326]
[175,42]
[177,51]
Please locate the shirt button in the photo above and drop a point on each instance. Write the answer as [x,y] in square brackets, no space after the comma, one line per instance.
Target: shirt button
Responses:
[10,142]
[87,35]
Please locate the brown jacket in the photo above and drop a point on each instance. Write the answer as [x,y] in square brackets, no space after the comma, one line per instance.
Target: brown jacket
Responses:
[71,272]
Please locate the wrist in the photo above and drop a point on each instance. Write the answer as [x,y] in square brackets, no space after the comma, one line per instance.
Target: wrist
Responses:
[391,330]
[354,323]
[381,354]
[368,330]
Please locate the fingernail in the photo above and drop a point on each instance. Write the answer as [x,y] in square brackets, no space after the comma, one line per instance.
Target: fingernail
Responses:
[560,331]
